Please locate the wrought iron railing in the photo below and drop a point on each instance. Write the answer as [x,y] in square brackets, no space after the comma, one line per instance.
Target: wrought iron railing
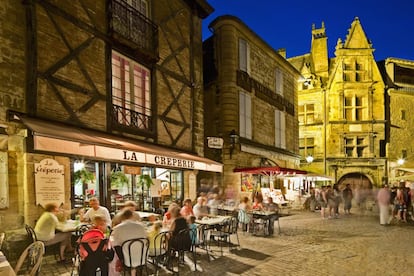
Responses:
[134,27]
[131,118]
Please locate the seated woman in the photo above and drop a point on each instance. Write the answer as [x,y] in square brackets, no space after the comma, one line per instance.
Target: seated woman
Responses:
[177,241]
[167,219]
[257,204]
[187,209]
[45,230]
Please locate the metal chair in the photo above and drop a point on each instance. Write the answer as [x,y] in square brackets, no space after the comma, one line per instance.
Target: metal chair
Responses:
[135,254]
[31,259]
[158,250]
[178,245]
[52,249]
[223,235]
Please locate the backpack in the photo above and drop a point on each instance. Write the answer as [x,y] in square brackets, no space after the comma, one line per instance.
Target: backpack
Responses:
[94,253]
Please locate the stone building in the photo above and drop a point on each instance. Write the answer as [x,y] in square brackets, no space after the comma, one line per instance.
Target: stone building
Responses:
[398,75]
[251,108]
[114,86]
[342,118]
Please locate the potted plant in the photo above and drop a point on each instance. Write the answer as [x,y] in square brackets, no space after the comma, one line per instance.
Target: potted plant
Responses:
[84,176]
[118,179]
[144,181]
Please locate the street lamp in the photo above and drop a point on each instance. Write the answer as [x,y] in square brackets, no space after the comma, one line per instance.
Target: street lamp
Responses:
[400,161]
[309,159]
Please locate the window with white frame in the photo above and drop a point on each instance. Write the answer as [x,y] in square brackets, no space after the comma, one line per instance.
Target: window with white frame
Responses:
[280,129]
[245,115]
[279,81]
[355,146]
[244,55]
[131,92]
[355,107]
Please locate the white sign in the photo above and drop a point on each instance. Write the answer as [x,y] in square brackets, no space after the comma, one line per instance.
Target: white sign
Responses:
[215,142]
[49,182]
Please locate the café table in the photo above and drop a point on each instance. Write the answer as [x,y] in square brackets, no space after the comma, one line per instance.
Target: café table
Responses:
[212,221]
[263,218]
[69,225]
[5,267]
[146,215]
[226,210]
[205,225]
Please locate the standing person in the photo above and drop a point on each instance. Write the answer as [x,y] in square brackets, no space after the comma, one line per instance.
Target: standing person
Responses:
[347,197]
[242,215]
[45,230]
[394,203]
[331,201]
[95,210]
[128,205]
[338,199]
[402,207]
[383,198]
[323,199]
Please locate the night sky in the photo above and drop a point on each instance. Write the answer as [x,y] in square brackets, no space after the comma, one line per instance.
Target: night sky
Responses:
[288,24]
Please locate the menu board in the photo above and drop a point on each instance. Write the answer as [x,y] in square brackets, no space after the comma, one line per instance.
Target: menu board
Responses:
[49,182]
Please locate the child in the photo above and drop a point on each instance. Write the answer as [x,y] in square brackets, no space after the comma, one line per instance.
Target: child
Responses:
[193,229]
[99,222]
[154,245]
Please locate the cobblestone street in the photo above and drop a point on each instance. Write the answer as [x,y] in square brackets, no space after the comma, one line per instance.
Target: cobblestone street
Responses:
[308,245]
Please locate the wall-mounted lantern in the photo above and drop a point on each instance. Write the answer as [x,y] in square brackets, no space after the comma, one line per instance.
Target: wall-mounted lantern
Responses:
[234,139]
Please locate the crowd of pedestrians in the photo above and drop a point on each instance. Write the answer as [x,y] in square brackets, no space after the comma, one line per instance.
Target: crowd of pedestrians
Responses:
[394,204]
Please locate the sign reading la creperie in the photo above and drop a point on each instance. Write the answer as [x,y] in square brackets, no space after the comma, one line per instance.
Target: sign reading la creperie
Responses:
[159,160]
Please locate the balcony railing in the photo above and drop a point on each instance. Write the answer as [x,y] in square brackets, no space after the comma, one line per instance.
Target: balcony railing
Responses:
[131,27]
[132,119]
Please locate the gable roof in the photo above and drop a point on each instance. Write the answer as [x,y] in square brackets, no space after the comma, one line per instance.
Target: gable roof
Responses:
[356,38]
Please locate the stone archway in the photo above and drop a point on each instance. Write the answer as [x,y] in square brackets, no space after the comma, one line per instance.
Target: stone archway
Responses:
[356,180]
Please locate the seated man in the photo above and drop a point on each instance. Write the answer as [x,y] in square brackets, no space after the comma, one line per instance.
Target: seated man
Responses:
[129,228]
[272,207]
[45,230]
[200,209]
[95,210]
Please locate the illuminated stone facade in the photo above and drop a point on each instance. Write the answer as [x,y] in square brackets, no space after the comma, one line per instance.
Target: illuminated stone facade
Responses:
[342,121]
[399,77]
[250,92]
[58,62]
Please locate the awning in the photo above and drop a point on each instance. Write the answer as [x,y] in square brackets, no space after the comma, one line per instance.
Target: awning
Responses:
[270,171]
[61,138]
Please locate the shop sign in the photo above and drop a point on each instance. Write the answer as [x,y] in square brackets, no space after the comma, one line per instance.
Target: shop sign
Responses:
[215,142]
[165,161]
[49,182]
[132,170]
